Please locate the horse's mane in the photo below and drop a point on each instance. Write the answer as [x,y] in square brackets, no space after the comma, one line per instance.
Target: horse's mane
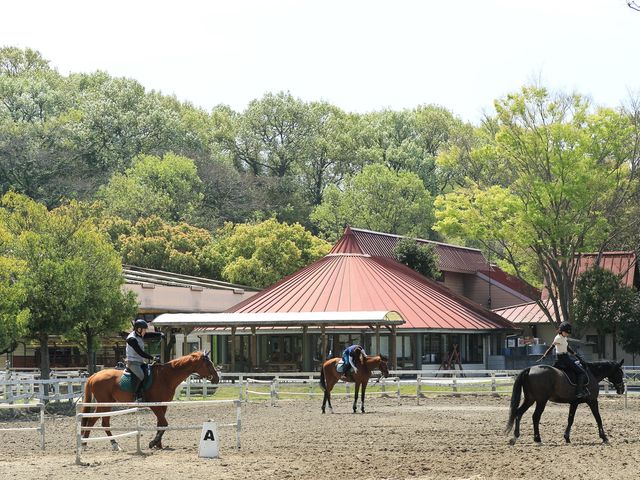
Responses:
[601,366]
[185,360]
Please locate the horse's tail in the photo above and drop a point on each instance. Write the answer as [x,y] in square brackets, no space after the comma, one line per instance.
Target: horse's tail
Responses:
[515,397]
[86,399]
[323,384]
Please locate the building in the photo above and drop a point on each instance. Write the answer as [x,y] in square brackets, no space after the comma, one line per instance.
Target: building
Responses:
[359,275]
[537,329]
[157,292]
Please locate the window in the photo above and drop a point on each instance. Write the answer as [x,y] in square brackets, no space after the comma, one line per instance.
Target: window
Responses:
[431,348]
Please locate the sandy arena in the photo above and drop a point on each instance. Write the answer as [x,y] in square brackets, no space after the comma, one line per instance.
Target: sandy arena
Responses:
[443,437]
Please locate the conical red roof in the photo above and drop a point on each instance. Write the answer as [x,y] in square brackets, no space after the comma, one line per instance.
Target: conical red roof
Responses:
[357,282]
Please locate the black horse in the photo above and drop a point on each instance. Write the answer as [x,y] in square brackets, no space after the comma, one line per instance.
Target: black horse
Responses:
[543,383]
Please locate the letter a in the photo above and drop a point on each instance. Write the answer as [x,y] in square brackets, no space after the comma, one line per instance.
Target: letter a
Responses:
[209,435]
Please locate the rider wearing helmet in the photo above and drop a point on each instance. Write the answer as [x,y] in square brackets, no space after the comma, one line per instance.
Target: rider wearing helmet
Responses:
[136,355]
[567,362]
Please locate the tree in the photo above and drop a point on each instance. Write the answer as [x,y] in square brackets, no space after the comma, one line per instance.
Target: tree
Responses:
[573,173]
[153,243]
[377,199]
[13,315]
[168,187]
[105,307]
[420,257]
[603,303]
[260,254]
[61,253]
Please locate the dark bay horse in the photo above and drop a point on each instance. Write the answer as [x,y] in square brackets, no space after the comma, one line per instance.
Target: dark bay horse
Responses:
[329,376]
[104,387]
[543,383]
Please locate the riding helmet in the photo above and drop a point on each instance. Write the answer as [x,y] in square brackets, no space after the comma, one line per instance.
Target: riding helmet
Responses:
[565,327]
[140,323]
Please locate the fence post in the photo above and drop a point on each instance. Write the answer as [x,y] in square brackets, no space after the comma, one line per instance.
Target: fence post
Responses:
[138,449]
[42,425]
[493,382]
[240,379]
[238,423]
[189,387]
[310,386]
[273,392]
[418,389]
[398,382]
[454,383]
[78,436]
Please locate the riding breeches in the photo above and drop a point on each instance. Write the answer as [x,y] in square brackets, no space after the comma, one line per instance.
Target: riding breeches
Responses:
[136,369]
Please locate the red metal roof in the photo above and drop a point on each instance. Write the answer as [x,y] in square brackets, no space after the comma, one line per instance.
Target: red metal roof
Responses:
[524,313]
[623,264]
[357,282]
[514,283]
[452,258]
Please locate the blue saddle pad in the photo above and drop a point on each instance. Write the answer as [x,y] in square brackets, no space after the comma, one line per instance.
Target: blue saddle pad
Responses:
[128,383]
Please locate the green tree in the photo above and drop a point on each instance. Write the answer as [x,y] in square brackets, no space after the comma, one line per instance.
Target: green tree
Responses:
[573,181]
[61,253]
[380,199]
[260,254]
[604,304]
[13,315]
[420,257]
[168,187]
[153,243]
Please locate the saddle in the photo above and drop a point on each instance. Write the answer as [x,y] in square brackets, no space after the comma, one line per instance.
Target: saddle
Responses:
[340,367]
[571,376]
[129,382]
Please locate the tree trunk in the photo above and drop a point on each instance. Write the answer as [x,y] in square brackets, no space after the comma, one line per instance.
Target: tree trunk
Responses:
[91,354]
[44,356]
[615,349]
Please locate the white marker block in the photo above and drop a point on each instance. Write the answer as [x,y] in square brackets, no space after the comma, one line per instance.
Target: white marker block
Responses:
[209,446]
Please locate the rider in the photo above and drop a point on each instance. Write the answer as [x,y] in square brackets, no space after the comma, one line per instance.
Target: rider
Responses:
[350,358]
[136,355]
[567,362]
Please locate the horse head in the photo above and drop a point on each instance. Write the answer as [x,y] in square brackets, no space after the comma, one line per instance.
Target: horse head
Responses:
[384,366]
[616,376]
[206,369]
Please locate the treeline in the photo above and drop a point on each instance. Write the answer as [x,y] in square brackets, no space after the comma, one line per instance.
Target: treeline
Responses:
[544,178]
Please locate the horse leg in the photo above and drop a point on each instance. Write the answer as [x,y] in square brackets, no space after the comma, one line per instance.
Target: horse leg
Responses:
[160,413]
[324,400]
[537,414]
[106,422]
[593,405]
[572,413]
[364,387]
[355,398]
[521,411]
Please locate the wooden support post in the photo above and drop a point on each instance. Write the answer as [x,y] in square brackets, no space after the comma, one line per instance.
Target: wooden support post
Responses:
[254,348]
[305,356]
[392,348]
[233,349]
[324,342]
[377,339]
[185,344]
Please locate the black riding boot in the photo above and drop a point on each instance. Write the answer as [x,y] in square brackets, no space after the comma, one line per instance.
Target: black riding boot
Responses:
[581,390]
[139,391]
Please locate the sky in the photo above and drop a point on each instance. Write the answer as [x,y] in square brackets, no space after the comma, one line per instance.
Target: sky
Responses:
[356,54]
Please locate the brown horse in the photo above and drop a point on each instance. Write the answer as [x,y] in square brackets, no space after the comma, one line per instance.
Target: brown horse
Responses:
[329,376]
[104,386]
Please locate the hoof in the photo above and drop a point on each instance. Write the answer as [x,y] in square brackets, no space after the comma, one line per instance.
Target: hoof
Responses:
[513,441]
[115,447]
[537,440]
[323,410]
[605,441]
[567,439]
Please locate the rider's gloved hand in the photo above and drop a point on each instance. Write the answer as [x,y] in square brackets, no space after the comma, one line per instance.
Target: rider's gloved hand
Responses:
[156,358]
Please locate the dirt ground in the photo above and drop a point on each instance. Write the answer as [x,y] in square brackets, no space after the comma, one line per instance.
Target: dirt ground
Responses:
[442,438]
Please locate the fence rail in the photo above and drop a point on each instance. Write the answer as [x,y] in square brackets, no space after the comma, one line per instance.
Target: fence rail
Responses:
[19,390]
[138,429]
[39,428]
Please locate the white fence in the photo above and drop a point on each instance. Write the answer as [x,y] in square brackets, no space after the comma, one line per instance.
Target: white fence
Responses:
[21,388]
[131,431]
[40,428]
[52,390]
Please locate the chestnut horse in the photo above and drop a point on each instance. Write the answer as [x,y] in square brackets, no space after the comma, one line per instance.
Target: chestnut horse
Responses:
[104,386]
[329,376]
